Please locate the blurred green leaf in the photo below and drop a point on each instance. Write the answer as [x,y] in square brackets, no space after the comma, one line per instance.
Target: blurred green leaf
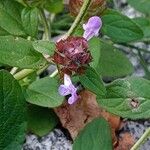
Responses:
[92,81]
[54,6]
[144,24]
[19,52]
[44,47]
[10,17]
[29,17]
[128,98]
[95,136]
[41,120]
[113,63]
[141,5]
[12,113]
[44,92]
[95,49]
[119,27]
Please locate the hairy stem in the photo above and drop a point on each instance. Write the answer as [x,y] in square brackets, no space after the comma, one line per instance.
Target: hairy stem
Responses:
[47,33]
[141,140]
[79,17]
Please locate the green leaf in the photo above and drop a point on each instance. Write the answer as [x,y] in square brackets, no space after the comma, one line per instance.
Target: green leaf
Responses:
[3,32]
[95,49]
[128,98]
[19,52]
[92,81]
[10,19]
[113,63]
[95,136]
[44,92]
[144,24]
[141,5]
[41,120]
[12,113]
[29,17]
[54,6]
[119,27]
[44,47]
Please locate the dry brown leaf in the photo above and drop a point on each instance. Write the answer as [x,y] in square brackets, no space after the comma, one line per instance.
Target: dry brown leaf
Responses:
[75,117]
[126,141]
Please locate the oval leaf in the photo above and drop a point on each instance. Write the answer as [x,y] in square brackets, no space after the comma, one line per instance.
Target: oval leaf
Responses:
[144,24]
[141,5]
[119,27]
[128,98]
[44,92]
[113,63]
[10,17]
[92,81]
[12,113]
[29,17]
[19,52]
[41,120]
[44,47]
[95,136]
[95,49]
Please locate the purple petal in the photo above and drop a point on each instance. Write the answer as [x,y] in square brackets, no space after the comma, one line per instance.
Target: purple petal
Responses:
[67,80]
[74,97]
[92,27]
[64,90]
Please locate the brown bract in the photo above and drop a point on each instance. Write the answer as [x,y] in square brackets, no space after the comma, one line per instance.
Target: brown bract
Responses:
[72,54]
[96,7]
[75,117]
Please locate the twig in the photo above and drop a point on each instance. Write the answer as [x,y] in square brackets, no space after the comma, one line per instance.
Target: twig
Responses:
[141,140]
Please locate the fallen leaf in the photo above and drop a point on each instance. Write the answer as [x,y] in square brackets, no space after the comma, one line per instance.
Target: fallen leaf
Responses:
[74,117]
[126,141]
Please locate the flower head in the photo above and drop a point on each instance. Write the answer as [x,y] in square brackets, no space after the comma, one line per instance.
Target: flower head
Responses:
[92,27]
[72,53]
[68,89]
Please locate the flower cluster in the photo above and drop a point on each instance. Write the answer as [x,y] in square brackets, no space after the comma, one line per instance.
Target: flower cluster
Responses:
[73,54]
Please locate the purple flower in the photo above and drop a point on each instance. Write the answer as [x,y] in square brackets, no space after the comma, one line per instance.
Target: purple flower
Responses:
[92,27]
[68,88]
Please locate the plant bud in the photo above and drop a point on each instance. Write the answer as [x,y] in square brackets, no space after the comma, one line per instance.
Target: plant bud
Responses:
[96,7]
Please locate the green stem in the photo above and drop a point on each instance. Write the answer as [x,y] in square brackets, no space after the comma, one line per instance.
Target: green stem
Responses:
[46,26]
[141,140]
[13,70]
[136,48]
[143,63]
[23,73]
[54,73]
[78,18]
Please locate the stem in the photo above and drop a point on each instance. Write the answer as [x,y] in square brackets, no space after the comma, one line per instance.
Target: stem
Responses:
[78,18]
[47,34]
[13,70]
[141,140]
[143,63]
[23,73]
[137,48]
[54,73]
